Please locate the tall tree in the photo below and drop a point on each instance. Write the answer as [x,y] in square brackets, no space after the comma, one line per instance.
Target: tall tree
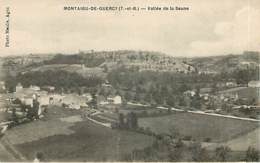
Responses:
[222,153]
[252,155]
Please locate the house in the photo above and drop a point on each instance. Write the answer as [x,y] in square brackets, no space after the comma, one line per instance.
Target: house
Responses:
[48,88]
[114,99]
[35,88]
[43,100]
[205,91]
[56,99]
[106,84]
[28,95]
[88,96]
[117,100]
[231,84]
[74,101]
[27,101]
[189,93]
[220,84]
[254,84]
[232,93]
[18,87]
[2,86]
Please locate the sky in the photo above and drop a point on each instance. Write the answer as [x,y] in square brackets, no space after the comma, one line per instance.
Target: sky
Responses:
[207,28]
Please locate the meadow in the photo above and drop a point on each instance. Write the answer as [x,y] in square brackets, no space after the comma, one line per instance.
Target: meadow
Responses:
[64,136]
[199,127]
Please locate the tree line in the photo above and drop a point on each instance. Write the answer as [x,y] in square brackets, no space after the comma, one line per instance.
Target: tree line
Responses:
[59,79]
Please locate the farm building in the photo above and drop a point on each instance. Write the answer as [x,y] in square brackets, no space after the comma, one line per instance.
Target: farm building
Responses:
[117,100]
[114,99]
[189,93]
[2,86]
[74,101]
[254,84]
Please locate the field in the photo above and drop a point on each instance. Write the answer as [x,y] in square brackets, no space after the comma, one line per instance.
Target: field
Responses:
[65,136]
[200,127]
[243,92]
[241,143]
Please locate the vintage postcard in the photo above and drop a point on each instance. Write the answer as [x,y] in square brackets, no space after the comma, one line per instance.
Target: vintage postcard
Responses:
[129,81]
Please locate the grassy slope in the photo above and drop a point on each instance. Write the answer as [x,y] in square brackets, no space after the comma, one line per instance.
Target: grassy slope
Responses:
[90,142]
[200,126]
[81,141]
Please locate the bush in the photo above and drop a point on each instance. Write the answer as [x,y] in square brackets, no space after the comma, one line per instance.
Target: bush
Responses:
[252,154]
[187,138]
[207,140]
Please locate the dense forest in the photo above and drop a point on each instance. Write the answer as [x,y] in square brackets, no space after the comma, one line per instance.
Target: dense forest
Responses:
[59,79]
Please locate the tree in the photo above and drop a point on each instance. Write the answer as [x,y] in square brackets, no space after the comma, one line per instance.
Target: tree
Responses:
[14,116]
[202,156]
[222,153]
[93,102]
[196,151]
[183,88]
[175,154]
[196,99]
[148,97]
[121,120]
[158,98]
[132,121]
[170,100]
[174,132]
[105,70]
[36,107]
[252,155]
[136,97]
[128,96]
[39,156]
[182,101]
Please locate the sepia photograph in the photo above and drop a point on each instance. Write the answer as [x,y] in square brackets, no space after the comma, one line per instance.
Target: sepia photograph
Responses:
[129,81]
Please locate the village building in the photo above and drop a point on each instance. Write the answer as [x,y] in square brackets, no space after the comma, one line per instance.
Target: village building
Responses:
[88,96]
[189,93]
[254,84]
[29,95]
[2,86]
[231,84]
[115,99]
[35,88]
[56,99]
[18,87]
[48,88]
[74,101]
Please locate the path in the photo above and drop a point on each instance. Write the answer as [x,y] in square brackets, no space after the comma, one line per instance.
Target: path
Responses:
[10,149]
[211,114]
[108,125]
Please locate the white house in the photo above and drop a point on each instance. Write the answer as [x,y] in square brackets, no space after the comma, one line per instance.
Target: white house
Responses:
[254,84]
[27,101]
[74,101]
[35,88]
[189,93]
[18,87]
[231,84]
[2,85]
[44,100]
[115,100]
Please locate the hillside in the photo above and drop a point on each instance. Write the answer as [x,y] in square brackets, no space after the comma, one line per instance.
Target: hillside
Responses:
[99,63]
[227,62]
[102,62]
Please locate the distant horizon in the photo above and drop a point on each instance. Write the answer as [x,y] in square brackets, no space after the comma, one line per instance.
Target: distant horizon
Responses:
[98,51]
